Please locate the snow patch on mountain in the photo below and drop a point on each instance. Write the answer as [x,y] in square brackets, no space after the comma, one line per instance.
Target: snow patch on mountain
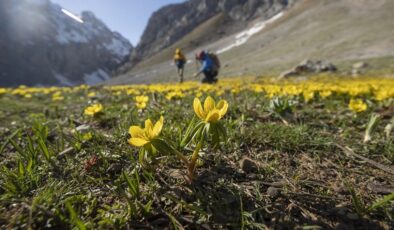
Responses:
[96,77]
[242,37]
[64,51]
[62,79]
[73,16]
[66,35]
[118,47]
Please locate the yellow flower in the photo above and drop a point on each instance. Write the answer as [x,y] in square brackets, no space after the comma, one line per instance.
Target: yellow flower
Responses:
[325,93]
[140,101]
[92,94]
[210,112]
[143,136]
[57,96]
[141,105]
[3,91]
[235,91]
[87,136]
[132,91]
[175,95]
[357,105]
[93,110]
[198,94]
[308,95]
[219,92]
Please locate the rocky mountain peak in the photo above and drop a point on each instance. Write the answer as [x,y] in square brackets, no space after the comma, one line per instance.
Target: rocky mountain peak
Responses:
[172,22]
[44,44]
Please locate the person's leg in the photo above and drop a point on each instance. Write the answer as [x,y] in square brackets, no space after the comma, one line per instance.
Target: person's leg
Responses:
[181,73]
[206,78]
[214,76]
[210,76]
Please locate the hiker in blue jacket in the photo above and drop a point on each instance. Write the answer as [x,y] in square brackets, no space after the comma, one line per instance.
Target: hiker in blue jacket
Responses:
[209,67]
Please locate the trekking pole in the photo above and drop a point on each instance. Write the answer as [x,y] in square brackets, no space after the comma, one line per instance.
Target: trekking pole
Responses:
[196,64]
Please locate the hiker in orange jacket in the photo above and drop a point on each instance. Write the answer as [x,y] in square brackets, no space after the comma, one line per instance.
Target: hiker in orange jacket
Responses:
[179,61]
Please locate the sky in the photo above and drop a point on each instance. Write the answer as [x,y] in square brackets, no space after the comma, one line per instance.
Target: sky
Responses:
[128,17]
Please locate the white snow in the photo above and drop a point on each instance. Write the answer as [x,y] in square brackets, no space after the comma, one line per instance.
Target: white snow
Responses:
[62,79]
[104,74]
[66,34]
[96,77]
[71,15]
[65,37]
[117,47]
[245,35]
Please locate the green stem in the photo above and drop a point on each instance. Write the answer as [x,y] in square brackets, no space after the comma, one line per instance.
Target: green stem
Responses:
[182,157]
[192,164]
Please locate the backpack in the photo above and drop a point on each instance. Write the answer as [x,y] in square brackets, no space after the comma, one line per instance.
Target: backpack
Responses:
[215,60]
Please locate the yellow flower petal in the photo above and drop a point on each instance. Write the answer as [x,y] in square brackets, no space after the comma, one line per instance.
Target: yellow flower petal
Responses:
[141,105]
[158,126]
[213,116]
[148,124]
[209,104]
[136,131]
[138,142]
[198,108]
[222,106]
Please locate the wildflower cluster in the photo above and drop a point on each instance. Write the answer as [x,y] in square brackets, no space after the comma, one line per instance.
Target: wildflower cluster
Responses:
[141,101]
[93,110]
[198,133]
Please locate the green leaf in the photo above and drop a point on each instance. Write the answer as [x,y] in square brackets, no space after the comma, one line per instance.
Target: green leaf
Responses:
[44,149]
[175,222]
[162,146]
[30,146]
[8,140]
[21,169]
[382,202]
[215,135]
[191,134]
[357,202]
[188,132]
[165,148]
[133,184]
[29,166]
[222,131]
[141,156]
[74,217]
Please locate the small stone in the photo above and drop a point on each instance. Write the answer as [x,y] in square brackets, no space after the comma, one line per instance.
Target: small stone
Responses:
[360,65]
[4,130]
[309,66]
[279,184]
[248,165]
[82,128]
[343,226]
[288,73]
[352,216]
[341,211]
[273,192]
[115,168]
[176,174]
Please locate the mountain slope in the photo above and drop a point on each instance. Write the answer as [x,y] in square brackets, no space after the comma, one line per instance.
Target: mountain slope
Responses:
[171,23]
[336,30]
[341,31]
[41,45]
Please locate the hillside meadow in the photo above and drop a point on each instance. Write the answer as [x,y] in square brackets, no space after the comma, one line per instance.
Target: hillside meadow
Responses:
[246,153]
